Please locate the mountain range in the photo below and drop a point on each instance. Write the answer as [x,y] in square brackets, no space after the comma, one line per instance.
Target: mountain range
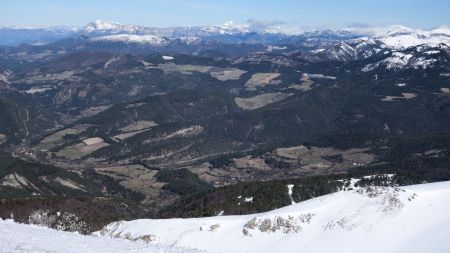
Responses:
[393,36]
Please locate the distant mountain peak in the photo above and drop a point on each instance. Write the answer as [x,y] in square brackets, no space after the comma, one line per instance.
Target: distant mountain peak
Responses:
[101,25]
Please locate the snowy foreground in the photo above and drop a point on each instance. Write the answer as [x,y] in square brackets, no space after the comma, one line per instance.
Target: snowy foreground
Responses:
[407,219]
[30,238]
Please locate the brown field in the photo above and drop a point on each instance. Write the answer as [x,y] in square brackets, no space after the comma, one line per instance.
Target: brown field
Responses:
[261,80]
[138,125]
[57,138]
[137,178]
[227,74]
[404,96]
[259,101]
[2,137]
[80,150]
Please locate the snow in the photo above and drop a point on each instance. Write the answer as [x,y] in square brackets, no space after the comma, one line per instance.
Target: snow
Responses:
[131,38]
[190,40]
[423,63]
[4,79]
[319,76]
[31,238]
[167,58]
[104,27]
[278,48]
[397,60]
[290,189]
[432,52]
[320,50]
[249,199]
[408,219]
[37,90]
[112,60]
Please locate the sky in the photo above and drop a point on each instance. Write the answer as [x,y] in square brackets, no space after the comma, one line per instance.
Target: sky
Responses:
[423,14]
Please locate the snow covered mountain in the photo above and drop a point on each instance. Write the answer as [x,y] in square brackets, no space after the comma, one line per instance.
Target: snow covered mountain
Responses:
[400,37]
[387,41]
[418,57]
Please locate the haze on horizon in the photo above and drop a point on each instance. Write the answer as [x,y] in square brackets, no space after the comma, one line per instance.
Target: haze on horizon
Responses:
[424,14]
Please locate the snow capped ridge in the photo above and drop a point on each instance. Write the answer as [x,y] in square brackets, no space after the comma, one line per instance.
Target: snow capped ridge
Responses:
[231,28]
[396,30]
[102,25]
[368,219]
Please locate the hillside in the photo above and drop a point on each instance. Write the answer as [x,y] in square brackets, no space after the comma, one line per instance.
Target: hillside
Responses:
[22,119]
[24,179]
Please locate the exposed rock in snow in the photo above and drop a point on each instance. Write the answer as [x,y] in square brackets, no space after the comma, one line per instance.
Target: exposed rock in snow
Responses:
[422,63]
[421,57]
[397,60]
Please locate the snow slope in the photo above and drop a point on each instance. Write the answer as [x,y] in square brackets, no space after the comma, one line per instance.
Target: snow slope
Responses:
[408,219]
[29,238]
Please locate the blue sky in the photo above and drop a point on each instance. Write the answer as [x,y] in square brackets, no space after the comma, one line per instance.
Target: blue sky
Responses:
[163,13]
